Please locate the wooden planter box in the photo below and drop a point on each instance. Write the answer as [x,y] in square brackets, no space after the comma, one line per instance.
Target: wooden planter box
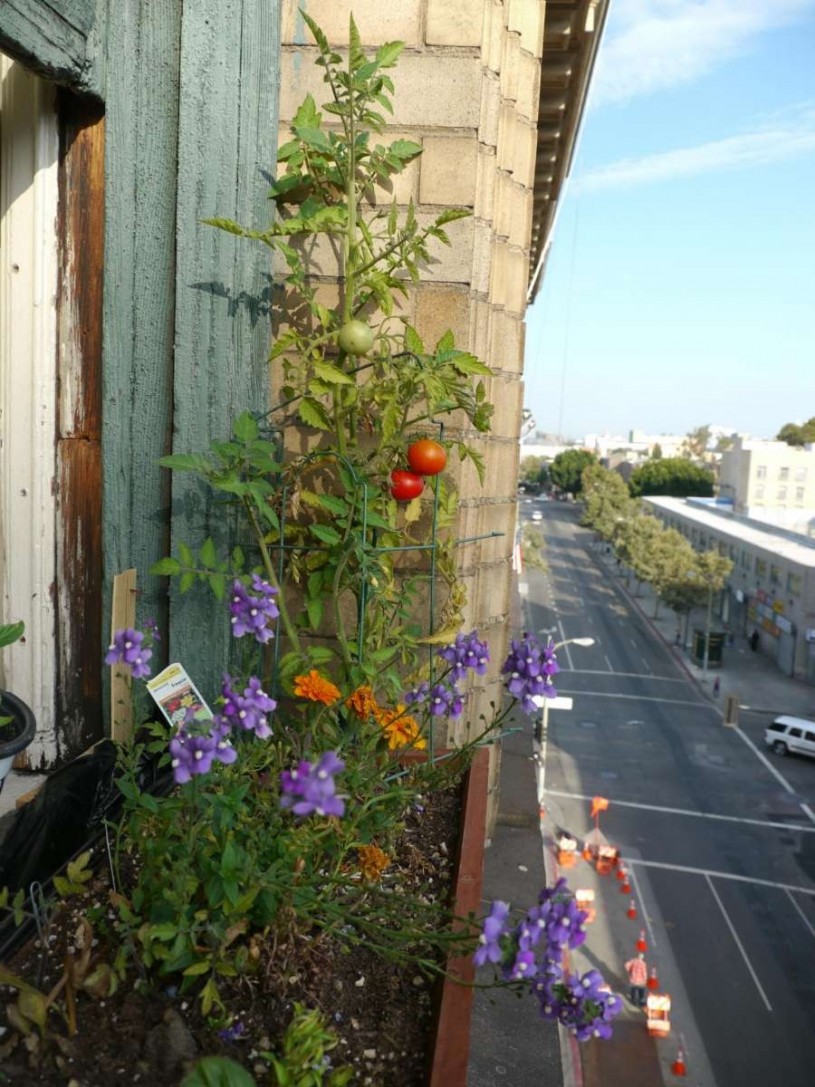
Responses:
[451,1043]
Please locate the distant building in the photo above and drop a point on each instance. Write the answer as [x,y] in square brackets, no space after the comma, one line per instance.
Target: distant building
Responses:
[772,482]
[771,589]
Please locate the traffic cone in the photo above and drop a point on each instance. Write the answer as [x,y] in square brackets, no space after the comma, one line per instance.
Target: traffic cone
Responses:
[620,874]
[641,944]
[653,980]
[632,910]
[678,1067]
[625,886]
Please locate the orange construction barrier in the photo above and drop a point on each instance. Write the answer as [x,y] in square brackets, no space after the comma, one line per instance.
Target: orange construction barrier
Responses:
[585,901]
[658,1015]
[566,851]
[631,912]
[607,857]
[678,1067]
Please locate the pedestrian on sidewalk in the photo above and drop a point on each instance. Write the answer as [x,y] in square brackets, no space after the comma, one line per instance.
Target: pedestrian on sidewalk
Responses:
[716,687]
[637,970]
[754,637]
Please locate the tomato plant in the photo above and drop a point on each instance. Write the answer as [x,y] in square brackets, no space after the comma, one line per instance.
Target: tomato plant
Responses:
[426,457]
[405,485]
[355,338]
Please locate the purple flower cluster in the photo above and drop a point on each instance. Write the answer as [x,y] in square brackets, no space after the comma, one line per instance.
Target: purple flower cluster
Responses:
[532,952]
[249,710]
[129,648]
[251,613]
[530,667]
[310,788]
[193,753]
[467,651]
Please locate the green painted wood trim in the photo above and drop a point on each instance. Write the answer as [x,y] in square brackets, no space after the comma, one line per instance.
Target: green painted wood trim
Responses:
[141,147]
[227,147]
[52,39]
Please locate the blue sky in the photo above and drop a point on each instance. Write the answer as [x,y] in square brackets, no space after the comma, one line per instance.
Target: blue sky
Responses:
[680,287]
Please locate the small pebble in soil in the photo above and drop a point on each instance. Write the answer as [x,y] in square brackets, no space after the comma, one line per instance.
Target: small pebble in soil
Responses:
[359,982]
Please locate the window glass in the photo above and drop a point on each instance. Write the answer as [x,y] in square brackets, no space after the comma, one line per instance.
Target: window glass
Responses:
[761,471]
[783,473]
[800,475]
[796,732]
[782,494]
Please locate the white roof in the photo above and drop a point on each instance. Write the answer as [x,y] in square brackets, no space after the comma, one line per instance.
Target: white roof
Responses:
[764,538]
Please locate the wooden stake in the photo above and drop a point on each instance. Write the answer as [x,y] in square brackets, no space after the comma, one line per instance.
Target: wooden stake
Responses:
[123,614]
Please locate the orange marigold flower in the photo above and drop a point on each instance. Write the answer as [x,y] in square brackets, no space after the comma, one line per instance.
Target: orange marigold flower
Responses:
[363,703]
[401,729]
[372,862]
[316,688]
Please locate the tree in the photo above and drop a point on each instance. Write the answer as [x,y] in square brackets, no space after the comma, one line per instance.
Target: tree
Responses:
[606,500]
[656,452]
[697,441]
[671,476]
[533,472]
[725,442]
[567,469]
[797,434]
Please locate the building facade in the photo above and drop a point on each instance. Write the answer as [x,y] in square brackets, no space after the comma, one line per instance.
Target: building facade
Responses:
[771,589]
[772,482]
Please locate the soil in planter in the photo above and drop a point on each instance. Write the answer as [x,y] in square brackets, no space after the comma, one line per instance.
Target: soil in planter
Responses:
[381,1012]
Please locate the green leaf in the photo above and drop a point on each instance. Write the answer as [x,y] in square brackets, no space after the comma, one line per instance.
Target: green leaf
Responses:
[325,533]
[314,608]
[413,341]
[332,375]
[313,414]
[166,567]
[187,581]
[246,428]
[405,150]
[388,54]
[218,1072]
[314,138]
[10,632]
[166,931]
[186,462]
[451,215]
[208,555]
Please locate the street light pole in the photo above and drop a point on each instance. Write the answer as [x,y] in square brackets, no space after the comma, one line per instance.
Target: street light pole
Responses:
[542,724]
[708,618]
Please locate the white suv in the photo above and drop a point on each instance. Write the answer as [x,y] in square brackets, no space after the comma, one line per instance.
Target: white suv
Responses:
[787,734]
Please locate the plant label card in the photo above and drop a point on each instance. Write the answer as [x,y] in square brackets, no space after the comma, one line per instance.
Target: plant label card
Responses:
[177,697]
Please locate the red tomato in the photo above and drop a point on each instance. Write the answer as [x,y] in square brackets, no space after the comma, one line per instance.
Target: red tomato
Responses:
[426,457]
[405,485]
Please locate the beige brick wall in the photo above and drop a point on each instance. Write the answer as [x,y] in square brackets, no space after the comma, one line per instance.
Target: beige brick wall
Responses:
[467,88]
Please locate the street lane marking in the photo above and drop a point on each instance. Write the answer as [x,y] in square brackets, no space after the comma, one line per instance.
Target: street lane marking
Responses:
[633,643]
[739,944]
[637,698]
[608,662]
[687,811]
[645,917]
[723,875]
[565,647]
[630,675]
[803,916]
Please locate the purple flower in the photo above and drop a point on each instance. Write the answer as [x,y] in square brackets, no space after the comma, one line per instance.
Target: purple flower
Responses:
[495,926]
[445,700]
[418,694]
[530,667]
[311,789]
[128,648]
[248,711]
[193,753]
[523,966]
[251,613]
[467,651]
[233,1033]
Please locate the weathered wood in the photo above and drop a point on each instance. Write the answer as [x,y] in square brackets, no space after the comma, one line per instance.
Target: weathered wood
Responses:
[227,145]
[122,615]
[79,424]
[142,88]
[51,39]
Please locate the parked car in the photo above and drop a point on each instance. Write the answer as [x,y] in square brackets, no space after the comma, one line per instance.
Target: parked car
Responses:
[537,516]
[787,734]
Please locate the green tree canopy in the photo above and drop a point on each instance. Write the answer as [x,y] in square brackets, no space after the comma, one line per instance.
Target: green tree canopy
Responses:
[797,434]
[606,501]
[656,452]
[697,441]
[533,472]
[567,469]
[671,476]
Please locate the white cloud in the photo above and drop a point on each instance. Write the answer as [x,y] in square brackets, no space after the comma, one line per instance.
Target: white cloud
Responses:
[651,45]
[789,134]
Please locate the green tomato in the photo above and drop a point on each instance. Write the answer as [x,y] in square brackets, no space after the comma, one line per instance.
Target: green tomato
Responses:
[355,338]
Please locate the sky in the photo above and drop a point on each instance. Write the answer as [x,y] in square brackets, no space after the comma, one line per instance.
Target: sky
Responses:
[680,287]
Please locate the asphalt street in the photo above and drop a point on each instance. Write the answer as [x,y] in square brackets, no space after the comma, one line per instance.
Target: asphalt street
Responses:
[720,841]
